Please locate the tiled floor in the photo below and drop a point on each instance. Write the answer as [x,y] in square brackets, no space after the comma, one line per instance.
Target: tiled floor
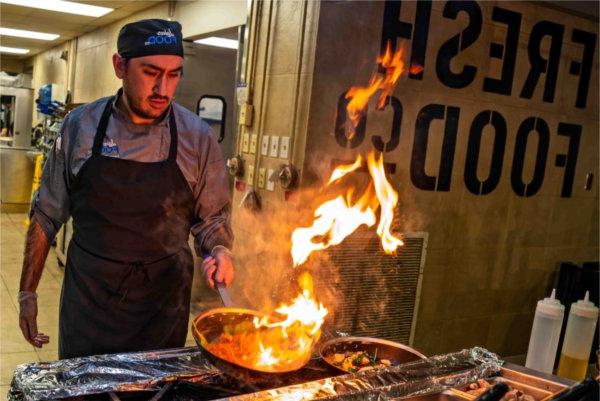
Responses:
[14,349]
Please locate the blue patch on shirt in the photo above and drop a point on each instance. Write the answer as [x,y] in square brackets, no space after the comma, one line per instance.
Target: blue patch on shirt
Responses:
[110,149]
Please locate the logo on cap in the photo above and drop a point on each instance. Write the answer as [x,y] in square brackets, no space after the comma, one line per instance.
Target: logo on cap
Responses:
[164,37]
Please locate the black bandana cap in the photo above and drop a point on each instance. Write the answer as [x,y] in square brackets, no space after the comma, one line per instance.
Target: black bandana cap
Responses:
[150,37]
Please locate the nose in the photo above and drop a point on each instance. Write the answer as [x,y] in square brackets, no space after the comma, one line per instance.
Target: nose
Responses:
[160,85]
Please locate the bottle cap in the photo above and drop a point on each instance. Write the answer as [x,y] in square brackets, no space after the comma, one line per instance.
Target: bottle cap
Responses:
[551,306]
[585,308]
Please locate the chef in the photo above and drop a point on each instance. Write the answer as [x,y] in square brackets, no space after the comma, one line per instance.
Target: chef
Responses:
[137,173]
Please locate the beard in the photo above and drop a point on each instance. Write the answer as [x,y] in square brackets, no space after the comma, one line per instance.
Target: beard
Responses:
[148,112]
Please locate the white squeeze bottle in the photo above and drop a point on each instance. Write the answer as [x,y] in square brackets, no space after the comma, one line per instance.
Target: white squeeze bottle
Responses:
[545,333]
[578,339]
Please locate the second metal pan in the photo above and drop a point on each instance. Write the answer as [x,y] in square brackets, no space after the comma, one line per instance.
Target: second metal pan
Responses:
[384,349]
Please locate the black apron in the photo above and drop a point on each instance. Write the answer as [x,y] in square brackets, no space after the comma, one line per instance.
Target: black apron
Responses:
[129,270]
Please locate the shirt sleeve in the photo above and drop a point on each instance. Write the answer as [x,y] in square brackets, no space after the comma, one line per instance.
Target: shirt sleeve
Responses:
[213,199]
[50,205]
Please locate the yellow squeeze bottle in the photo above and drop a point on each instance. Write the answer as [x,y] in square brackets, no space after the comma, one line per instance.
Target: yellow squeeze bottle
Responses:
[578,339]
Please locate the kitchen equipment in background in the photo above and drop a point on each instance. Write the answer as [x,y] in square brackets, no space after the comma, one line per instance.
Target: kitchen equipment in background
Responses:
[213,109]
[578,339]
[51,100]
[372,294]
[545,334]
[16,105]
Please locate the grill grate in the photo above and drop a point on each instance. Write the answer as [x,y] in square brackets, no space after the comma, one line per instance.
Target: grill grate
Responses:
[372,294]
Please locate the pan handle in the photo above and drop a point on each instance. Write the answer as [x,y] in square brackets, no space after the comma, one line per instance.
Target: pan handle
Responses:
[223,292]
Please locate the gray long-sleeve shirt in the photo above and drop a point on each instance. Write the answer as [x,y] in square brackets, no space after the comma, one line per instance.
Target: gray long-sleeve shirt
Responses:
[198,157]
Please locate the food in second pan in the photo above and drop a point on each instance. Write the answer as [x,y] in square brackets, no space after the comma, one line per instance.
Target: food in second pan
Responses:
[481,386]
[358,361]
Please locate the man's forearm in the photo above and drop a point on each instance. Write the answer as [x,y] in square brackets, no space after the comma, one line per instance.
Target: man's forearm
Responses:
[37,246]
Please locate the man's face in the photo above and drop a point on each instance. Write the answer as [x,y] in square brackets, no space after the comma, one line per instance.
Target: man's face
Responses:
[149,82]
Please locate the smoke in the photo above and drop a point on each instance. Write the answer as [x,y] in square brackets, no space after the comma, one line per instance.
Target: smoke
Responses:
[265,276]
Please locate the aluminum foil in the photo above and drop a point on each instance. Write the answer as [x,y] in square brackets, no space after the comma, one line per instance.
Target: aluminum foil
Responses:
[149,370]
[104,373]
[432,375]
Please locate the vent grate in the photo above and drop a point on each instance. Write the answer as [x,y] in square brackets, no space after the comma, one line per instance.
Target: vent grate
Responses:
[370,293]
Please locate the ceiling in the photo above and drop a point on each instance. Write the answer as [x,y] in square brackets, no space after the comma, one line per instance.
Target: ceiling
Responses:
[68,26]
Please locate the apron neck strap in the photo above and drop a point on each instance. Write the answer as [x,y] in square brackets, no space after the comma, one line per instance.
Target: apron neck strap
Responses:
[101,131]
[173,130]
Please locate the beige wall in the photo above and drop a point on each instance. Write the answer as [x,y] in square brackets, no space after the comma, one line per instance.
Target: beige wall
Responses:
[10,64]
[94,76]
[209,71]
[490,257]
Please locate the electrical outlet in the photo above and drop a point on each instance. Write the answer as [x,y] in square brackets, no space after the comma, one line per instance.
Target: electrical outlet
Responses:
[245,143]
[274,146]
[246,111]
[261,177]
[264,148]
[284,147]
[270,184]
[250,175]
[253,140]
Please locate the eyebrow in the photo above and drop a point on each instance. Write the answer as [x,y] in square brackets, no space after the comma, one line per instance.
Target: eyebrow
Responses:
[162,69]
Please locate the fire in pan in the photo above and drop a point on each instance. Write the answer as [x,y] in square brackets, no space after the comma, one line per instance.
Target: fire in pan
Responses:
[231,341]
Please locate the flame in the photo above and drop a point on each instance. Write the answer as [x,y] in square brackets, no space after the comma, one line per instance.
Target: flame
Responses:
[265,357]
[301,326]
[340,217]
[359,96]
[303,309]
[388,198]
[275,343]
[415,69]
[342,170]
[337,218]
[334,221]
[284,342]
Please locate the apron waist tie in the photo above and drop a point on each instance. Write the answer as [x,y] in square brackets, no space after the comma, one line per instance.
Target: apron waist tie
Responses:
[135,268]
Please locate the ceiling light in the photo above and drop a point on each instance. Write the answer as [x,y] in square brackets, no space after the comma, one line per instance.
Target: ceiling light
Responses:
[20,33]
[62,7]
[14,50]
[219,42]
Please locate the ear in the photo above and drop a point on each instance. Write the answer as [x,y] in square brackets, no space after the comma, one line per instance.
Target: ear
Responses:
[119,65]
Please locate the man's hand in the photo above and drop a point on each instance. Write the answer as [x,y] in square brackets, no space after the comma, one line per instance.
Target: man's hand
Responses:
[28,319]
[218,268]
[36,250]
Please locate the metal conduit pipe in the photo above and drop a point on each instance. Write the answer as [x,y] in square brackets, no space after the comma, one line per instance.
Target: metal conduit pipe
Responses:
[263,98]
[294,132]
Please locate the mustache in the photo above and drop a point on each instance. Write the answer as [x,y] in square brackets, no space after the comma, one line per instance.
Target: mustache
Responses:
[158,97]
